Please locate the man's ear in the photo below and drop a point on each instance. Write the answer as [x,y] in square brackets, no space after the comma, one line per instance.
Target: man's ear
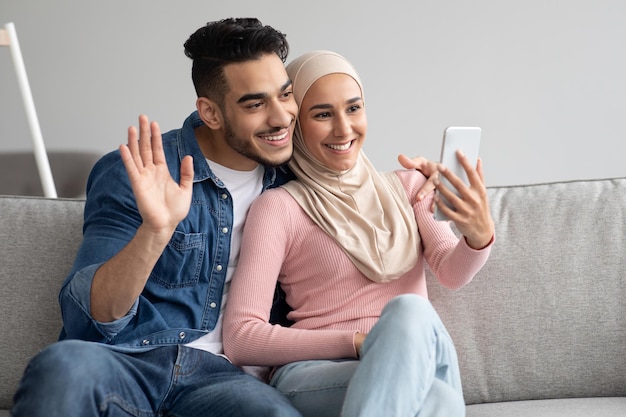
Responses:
[210,113]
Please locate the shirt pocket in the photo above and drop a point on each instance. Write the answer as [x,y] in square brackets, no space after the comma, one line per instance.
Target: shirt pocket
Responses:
[180,265]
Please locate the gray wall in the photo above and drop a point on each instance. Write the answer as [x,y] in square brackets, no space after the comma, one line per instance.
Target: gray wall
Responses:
[545,79]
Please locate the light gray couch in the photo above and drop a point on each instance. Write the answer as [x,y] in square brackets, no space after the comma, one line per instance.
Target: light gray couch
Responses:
[541,331]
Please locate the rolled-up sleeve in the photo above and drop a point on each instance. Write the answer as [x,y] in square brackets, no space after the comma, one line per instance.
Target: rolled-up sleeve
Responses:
[75,305]
[110,222]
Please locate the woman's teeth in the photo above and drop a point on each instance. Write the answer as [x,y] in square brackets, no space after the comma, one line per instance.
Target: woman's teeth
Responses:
[343,147]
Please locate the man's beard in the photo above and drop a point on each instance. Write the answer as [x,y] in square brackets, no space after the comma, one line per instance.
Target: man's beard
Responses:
[245,148]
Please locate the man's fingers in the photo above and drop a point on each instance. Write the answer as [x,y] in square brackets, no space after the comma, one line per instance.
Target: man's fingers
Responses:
[158,156]
[145,141]
[129,161]
[186,172]
[133,146]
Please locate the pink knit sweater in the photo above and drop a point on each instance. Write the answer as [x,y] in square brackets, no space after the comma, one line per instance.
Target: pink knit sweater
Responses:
[331,299]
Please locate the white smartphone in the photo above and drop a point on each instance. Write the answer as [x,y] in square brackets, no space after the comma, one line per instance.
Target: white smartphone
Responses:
[467,139]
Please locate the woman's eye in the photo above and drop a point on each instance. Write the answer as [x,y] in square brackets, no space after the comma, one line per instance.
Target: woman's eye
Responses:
[354,108]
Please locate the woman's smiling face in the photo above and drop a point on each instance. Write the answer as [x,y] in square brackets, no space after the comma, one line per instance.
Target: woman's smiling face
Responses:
[333,121]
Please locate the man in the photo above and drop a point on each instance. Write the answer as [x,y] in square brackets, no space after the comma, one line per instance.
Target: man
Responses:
[142,304]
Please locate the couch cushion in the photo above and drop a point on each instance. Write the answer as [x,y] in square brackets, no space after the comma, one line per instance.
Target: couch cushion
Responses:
[546,316]
[576,407]
[38,241]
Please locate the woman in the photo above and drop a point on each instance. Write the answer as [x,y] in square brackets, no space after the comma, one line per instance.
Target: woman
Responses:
[348,249]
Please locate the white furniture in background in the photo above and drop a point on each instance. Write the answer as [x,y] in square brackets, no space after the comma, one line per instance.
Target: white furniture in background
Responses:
[8,37]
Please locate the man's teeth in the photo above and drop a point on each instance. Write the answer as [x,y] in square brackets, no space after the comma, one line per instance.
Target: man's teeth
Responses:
[277,137]
[343,147]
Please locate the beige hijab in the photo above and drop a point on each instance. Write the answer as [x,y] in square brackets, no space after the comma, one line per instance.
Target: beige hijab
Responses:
[366,212]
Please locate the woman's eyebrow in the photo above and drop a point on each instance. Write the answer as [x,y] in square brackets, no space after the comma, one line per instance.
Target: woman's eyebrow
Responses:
[321,106]
[329,106]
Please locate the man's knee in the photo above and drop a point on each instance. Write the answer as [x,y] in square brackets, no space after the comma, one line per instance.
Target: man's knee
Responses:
[67,357]
[56,375]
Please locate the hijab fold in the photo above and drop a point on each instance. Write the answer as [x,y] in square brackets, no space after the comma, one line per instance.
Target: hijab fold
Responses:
[366,212]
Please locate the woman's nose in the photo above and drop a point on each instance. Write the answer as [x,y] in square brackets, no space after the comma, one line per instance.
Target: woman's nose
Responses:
[342,126]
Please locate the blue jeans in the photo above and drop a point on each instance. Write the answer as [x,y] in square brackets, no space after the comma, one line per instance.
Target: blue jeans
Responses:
[77,378]
[408,367]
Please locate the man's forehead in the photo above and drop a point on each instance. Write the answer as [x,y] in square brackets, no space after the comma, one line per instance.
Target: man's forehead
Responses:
[265,76]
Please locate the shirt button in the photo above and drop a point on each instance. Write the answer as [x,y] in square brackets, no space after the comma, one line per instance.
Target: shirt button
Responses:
[224,229]
[218,268]
[224,196]
[145,342]
[213,305]
[182,335]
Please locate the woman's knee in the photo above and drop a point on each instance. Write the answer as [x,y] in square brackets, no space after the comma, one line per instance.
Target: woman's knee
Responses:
[410,307]
[408,322]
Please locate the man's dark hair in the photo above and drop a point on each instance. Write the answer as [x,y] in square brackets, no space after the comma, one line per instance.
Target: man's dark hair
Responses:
[229,41]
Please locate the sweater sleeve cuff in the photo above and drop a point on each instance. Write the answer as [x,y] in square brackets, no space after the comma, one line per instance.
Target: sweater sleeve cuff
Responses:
[493,238]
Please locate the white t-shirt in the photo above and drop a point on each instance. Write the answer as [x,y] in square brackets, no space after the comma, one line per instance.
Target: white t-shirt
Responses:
[244,187]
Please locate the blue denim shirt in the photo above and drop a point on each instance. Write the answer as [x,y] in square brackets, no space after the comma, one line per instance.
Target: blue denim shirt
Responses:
[182,298]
